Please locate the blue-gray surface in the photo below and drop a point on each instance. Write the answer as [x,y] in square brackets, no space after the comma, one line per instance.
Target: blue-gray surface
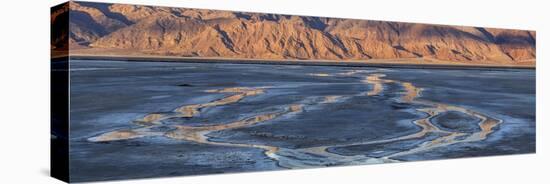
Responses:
[107,96]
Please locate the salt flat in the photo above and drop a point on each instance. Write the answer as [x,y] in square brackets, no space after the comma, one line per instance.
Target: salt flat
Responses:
[144,119]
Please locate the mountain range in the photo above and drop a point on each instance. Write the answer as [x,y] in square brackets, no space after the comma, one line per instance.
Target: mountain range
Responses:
[150,30]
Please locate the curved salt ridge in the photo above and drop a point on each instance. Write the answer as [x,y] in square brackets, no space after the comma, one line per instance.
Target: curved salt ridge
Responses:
[313,156]
[331,99]
[320,74]
[411,94]
[125,134]
[187,111]
[297,159]
[486,125]
[353,72]
[376,82]
[199,134]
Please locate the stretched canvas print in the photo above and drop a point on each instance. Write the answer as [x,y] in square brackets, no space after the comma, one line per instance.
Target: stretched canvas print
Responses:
[145,91]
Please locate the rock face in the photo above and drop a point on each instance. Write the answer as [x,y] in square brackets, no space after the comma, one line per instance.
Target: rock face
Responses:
[213,33]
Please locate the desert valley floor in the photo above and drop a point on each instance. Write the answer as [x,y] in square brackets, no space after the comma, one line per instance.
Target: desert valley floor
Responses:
[149,119]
